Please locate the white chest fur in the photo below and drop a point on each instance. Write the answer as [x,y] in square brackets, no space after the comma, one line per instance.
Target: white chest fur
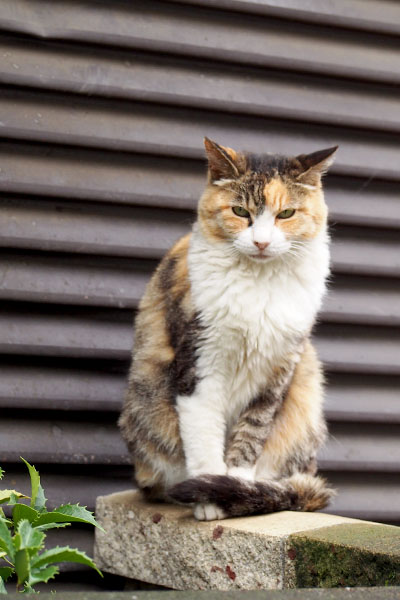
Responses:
[254,314]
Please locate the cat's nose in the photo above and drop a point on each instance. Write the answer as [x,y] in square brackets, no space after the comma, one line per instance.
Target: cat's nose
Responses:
[261,245]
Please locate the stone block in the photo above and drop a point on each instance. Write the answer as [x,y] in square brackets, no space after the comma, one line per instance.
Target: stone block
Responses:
[164,545]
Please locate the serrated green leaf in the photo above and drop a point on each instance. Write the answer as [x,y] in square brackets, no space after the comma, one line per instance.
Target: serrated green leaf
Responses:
[29,537]
[22,511]
[51,526]
[28,589]
[6,572]
[79,512]
[41,500]
[6,542]
[1,473]
[22,565]
[5,495]
[38,500]
[66,513]
[2,586]
[43,575]
[63,554]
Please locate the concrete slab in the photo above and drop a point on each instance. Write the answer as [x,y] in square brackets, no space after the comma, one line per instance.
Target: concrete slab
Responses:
[164,545]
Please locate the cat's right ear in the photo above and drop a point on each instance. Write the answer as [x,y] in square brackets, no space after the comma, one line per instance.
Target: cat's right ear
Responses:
[223,162]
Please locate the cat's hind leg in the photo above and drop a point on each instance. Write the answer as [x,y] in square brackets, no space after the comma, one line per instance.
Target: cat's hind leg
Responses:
[154,480]
[299,427]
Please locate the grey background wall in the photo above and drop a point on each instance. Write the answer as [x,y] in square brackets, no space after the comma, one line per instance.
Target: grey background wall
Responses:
[103,108]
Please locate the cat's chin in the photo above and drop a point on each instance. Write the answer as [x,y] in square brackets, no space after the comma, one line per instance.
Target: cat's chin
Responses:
[261,258]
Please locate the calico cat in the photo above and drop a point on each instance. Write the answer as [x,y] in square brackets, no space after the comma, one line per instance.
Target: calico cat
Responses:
[224,406]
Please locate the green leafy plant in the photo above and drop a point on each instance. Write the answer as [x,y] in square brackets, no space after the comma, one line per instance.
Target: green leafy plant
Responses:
[22,553]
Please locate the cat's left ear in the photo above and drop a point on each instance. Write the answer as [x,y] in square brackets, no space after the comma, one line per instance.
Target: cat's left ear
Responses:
[314,165]
[223,162]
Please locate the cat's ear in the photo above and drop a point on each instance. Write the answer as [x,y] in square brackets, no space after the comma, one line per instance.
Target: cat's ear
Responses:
[314,165]
[223,162]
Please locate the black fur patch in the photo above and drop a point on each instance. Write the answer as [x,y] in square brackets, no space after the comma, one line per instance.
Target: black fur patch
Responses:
[183,336]
[184,341]
[269,165]
[236,497]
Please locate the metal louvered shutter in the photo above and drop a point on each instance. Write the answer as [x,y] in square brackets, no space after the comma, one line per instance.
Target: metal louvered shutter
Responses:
[103,108]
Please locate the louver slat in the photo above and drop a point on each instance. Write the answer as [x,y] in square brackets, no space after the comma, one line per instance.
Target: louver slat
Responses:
[162,27]
[64,442]
[168,80]
[60,389]
[382,16]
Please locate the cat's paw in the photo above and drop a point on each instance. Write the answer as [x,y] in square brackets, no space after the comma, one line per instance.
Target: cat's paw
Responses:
[208,512]
[246,473]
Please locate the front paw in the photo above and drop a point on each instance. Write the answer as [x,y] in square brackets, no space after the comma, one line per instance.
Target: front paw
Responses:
[246,473]
[208,512]
[207,469]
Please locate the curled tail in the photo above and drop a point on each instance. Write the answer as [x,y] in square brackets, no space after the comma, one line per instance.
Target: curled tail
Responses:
[237,497]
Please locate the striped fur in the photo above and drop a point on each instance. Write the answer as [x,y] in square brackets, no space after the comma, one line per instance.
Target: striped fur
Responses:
[225,389]
[235,498]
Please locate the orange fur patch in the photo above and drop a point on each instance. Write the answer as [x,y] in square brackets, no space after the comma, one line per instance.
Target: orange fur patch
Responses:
[217,221]
[300,413]
[276,195]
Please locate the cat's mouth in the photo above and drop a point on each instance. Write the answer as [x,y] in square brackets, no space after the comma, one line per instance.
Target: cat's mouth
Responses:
[261,256]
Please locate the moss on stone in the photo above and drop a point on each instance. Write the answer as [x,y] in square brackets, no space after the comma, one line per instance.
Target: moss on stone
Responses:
[347,555]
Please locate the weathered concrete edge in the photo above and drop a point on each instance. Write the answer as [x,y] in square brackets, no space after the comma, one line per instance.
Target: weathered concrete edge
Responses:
[302,541]
[174,550]
[381,593]
[351,554]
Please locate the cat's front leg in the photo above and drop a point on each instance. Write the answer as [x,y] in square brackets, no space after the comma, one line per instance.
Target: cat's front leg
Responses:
[202,429]
[249,435]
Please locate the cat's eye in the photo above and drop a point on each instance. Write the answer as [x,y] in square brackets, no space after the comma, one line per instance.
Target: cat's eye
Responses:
[285,214]
[240,211]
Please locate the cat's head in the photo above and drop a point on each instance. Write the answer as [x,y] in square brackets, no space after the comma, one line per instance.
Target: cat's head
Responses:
[263,205]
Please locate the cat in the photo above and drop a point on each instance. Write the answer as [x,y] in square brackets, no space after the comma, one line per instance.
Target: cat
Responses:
[224,404]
